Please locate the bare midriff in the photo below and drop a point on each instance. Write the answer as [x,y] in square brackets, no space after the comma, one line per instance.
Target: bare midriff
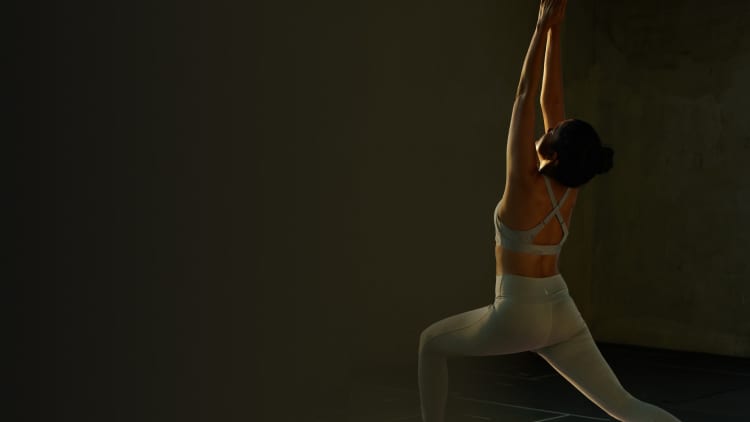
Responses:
[529,265]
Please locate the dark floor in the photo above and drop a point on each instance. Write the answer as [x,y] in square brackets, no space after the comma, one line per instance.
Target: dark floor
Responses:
[524,388]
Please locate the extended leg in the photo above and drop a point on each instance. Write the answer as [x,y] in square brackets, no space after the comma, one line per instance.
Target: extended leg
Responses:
[580,362]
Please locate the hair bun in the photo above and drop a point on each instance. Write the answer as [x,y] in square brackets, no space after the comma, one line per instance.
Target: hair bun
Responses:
[606,155]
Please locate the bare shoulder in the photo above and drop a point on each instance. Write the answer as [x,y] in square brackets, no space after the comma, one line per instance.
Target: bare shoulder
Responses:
[522,195]
[525,184]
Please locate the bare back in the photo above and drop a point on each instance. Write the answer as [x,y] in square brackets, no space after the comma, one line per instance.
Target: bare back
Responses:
[523,207]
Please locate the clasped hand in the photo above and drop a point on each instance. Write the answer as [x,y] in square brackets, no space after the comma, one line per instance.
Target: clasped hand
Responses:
[551,13]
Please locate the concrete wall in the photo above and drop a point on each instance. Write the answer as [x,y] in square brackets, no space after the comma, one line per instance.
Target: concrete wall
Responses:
[671,229]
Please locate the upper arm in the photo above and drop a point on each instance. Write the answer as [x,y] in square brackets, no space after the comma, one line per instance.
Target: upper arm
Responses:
[551,98]
[553,113]
[521,160]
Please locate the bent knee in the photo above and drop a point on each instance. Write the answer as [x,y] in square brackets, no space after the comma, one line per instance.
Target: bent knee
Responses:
[425,340]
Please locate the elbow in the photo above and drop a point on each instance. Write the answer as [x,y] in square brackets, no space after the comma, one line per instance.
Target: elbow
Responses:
[550,101]
[523,92]
[527,90]
[550,98]
[524,87]
[522,99]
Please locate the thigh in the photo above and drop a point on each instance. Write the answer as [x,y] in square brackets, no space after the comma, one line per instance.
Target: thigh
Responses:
[457,334]
[500,328]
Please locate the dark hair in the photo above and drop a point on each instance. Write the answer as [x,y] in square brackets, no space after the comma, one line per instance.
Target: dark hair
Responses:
[580,154]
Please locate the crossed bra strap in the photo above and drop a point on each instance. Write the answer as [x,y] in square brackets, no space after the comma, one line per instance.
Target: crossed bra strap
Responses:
[556,210]
[522,240]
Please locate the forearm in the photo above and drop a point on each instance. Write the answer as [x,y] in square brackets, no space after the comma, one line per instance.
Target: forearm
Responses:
[552,85]
[528,86]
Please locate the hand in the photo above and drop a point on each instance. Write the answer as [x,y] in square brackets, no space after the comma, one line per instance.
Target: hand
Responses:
[551,13]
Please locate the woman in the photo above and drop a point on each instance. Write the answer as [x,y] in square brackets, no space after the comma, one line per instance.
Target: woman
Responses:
[532,310]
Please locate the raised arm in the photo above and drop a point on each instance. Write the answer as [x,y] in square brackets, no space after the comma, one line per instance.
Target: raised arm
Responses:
[551,99]
[521,155]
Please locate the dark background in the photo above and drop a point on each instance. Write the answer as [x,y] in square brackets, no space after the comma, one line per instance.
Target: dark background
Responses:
[184,200]
[226,211]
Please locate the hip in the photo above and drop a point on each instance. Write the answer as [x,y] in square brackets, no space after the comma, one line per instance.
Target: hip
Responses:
[530,289]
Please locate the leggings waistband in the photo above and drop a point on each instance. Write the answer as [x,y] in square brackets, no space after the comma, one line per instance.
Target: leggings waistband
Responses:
[523,287]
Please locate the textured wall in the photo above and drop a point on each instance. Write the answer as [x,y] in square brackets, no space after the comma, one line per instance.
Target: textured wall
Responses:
[671,230]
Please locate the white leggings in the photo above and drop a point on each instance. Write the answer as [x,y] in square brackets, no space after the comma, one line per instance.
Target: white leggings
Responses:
[528,314]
